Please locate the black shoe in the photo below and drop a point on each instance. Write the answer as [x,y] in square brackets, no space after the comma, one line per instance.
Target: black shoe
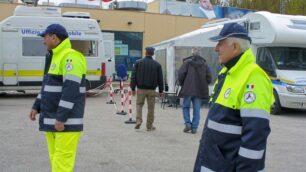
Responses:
[137,126]
[193,131]
[187,129]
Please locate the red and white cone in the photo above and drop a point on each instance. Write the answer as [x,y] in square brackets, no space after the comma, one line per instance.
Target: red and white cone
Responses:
[130,120]
[111,92]
[122,112]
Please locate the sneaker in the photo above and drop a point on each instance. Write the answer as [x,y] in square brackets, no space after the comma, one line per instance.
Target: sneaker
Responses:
[187,129]
[193,131]
[137,126]
[151,129]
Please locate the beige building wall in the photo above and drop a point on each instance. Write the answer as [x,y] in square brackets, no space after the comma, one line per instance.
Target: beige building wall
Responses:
[153,7]
[155,27]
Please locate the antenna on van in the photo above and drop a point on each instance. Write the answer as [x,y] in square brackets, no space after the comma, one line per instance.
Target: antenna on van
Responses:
[30,2]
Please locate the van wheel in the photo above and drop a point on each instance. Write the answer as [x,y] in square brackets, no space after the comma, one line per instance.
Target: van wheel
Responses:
[276,107]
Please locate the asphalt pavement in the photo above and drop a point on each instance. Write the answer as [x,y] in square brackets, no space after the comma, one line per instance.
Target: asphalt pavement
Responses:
[109,145]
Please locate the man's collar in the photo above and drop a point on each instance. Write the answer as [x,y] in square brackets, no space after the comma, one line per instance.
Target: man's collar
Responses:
[232,62]
[64,44]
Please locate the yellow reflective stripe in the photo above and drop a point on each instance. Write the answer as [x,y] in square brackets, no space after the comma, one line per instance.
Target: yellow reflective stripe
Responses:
[93,73]
[9,73]
[30,73]
[23,73]
[39,73]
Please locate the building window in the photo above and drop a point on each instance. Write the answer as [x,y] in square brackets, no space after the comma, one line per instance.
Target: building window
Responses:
[128,48]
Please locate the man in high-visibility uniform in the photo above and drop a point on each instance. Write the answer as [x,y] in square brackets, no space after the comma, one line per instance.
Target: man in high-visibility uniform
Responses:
[61,101]
[235,135]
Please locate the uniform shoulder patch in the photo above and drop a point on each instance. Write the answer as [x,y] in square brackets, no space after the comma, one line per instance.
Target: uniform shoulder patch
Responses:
[69,65]
[227,93]
[69,60]
[250,86]
[53,66]
[249,97]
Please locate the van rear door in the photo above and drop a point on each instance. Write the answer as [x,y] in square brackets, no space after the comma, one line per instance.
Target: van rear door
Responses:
[10,53]
[10,74]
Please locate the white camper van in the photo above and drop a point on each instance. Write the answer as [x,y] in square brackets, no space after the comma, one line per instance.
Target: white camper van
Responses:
[22,53]
[278,42]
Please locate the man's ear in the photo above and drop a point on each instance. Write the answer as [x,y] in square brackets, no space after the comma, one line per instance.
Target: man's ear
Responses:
[54,37]
[237,48]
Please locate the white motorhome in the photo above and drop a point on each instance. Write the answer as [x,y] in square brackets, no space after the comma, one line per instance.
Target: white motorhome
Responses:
[278,42]
[22,53]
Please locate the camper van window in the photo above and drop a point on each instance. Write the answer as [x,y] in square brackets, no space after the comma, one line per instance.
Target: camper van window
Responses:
[264,60]
[255,26]
[33,47]
[87,47]
[289,58]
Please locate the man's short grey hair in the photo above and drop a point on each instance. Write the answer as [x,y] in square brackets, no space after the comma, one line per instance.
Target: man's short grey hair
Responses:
[195,50]
[244,44]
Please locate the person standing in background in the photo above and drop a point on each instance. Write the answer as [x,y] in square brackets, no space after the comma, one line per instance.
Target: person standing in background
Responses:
[194,77]
[146,76]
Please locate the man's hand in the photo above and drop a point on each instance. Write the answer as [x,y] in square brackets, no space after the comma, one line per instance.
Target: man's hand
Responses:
[59,126]
[133,93]
[32,114]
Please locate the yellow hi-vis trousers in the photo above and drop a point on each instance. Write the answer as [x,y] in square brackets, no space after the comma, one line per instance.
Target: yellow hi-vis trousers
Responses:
[62,148]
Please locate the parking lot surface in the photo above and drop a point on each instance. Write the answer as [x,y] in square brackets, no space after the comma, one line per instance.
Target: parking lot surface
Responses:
[110,145]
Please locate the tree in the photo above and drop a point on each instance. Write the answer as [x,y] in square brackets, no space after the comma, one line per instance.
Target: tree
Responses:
[294,7]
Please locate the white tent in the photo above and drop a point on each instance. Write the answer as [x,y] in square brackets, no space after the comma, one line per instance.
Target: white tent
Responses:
[170,59]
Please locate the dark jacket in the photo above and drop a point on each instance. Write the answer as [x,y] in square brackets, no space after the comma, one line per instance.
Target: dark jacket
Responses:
[147,74]
[235,134]
[62,97]
[194,77]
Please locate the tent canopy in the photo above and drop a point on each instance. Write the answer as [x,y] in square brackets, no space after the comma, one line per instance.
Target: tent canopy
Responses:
[197,38]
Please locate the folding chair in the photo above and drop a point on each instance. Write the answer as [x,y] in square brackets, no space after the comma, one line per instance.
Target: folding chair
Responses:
[171,98]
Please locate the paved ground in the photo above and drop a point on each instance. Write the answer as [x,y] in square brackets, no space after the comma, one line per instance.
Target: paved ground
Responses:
[109,145]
